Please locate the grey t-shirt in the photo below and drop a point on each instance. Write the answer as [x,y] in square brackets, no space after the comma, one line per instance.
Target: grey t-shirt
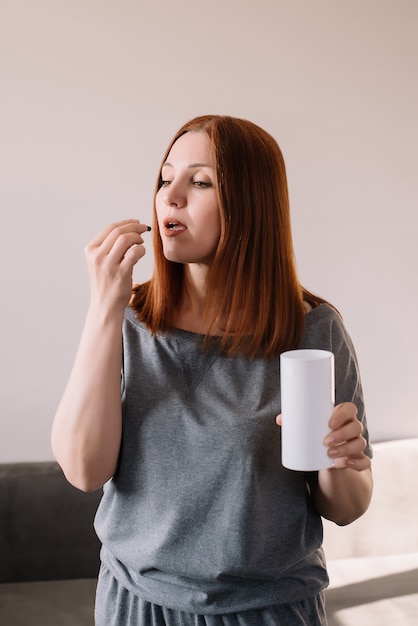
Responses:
[201,516]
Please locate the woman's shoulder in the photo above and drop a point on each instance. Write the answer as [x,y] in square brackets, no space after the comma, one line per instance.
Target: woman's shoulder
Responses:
[325,327]
[321,312]
[323,321]
[132,320]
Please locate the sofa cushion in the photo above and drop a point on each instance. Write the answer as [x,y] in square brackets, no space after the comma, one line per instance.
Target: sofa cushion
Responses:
[54,603]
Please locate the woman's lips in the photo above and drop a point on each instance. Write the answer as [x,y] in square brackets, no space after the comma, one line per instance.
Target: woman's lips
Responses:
[173,227]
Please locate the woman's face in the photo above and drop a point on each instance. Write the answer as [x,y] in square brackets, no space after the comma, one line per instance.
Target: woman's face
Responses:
[186,204]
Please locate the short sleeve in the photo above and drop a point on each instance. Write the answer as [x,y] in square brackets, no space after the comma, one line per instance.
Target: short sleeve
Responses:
[325,329]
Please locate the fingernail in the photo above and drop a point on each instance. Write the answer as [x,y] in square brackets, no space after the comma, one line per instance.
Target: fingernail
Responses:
[148,227]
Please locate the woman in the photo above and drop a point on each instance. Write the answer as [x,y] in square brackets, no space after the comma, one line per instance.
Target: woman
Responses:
[199,521]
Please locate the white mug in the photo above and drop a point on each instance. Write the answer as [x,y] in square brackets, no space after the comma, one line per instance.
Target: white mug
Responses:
[308,399]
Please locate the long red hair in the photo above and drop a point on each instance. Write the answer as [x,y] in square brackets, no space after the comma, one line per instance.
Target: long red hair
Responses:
[252,284]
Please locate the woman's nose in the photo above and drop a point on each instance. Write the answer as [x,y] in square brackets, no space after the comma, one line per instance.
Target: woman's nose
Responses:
[175,195]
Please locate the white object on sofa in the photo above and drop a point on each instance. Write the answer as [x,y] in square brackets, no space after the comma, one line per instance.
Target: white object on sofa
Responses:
[373,563]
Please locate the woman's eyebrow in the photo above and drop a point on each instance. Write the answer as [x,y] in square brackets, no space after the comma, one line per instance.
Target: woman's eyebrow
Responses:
[191,166]
[200,165]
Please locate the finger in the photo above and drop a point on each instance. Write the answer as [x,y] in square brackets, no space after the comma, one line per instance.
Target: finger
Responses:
[106,239]
[114,248]
[122,244]
[342,414]
[105,232]
[358,463]
[350,449]
[132,256]
[349,431]
[122,238]
[279,419]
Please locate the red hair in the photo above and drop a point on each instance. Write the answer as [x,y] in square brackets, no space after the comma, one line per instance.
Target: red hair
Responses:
[252,284]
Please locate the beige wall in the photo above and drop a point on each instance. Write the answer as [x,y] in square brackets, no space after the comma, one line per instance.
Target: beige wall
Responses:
[91,92]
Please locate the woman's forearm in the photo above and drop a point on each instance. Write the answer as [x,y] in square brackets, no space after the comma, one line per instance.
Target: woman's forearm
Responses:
[343,495]
[86,432]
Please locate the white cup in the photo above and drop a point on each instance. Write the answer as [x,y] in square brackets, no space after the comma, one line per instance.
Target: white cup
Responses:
[308,399]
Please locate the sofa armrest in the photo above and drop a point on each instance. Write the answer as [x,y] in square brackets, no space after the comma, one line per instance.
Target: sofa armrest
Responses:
[46,525]
[390,524]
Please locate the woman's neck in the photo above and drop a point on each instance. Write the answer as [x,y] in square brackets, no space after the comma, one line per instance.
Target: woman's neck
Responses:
[190,313]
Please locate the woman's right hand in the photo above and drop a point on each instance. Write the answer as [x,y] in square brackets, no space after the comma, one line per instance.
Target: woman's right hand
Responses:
[111,257]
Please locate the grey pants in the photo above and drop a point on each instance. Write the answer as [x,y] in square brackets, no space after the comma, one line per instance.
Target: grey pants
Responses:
[116,606]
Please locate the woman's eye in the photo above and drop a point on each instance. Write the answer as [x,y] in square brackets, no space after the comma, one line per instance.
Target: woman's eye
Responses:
[201,183]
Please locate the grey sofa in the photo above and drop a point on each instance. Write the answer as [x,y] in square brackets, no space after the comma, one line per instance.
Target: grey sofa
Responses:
[49,553]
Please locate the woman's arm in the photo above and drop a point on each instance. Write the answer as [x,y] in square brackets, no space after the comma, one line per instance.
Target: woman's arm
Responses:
[344,491]
[86,432]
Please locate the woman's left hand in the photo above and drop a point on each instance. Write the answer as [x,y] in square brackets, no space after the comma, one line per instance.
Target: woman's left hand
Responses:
[345,441]
[343,496]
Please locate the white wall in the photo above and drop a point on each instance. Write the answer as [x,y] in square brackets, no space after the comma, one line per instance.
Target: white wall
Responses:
[91,93]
